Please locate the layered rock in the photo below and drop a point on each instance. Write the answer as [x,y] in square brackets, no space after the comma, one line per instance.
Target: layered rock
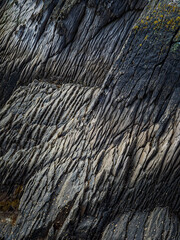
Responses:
[90,120]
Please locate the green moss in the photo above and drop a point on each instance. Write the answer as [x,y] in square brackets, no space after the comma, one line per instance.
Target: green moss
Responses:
[175,47]
[162,16]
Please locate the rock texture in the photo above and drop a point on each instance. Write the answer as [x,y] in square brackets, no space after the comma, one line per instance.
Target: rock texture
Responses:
[90,120]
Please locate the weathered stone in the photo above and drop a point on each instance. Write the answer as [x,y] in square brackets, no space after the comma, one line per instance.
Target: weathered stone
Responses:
[90,120]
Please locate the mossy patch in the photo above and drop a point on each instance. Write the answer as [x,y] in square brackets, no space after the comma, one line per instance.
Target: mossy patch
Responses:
[163,16]
[175,47]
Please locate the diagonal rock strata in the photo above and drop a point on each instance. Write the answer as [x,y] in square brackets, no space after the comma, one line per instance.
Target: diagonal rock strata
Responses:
[93,142]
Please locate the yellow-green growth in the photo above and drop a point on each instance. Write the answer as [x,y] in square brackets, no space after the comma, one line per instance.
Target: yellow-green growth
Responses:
[163,16]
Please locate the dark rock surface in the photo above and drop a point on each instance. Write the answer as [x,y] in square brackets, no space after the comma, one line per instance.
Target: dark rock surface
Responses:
[90,119]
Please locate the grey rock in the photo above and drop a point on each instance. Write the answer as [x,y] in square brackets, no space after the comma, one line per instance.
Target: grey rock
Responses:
[89,120]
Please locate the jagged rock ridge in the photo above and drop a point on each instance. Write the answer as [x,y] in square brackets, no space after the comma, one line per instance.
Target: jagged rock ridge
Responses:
[90,133]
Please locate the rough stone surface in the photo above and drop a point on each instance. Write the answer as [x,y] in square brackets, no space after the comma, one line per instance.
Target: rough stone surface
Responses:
[89,120]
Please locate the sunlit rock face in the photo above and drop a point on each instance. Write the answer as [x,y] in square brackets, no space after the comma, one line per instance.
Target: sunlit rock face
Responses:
[89,120]
[62,41]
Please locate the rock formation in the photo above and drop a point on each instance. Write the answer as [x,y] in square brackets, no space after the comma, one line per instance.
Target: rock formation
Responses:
[89,120]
